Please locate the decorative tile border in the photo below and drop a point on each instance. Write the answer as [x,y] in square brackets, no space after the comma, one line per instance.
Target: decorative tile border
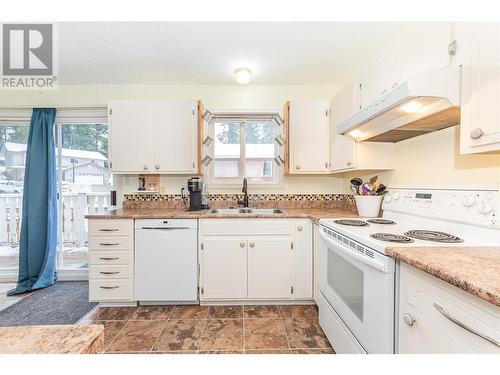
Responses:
[344,201]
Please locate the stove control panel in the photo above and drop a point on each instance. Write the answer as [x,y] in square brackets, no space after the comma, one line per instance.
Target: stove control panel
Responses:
[478,207]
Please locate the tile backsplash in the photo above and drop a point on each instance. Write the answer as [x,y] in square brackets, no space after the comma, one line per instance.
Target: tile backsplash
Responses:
[344,201]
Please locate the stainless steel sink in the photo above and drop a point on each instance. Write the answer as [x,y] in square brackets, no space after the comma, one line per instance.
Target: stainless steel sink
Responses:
[243,211]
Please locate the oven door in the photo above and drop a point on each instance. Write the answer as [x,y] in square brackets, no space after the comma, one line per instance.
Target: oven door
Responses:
[361,291]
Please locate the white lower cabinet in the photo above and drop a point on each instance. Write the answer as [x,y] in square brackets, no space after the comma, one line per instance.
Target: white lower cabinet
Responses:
[111,255]
[269,267]
[224,267]
[255,259]
[436,317]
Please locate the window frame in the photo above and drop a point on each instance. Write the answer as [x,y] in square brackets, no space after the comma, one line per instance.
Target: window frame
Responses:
[236,182]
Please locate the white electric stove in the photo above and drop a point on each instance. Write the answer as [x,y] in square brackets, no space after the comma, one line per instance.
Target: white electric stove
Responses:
[357,278]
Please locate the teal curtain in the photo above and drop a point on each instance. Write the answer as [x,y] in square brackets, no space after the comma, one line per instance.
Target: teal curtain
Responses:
[38,240]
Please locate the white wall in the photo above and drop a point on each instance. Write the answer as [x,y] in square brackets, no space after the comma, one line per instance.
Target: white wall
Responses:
[434,159]
[215,97]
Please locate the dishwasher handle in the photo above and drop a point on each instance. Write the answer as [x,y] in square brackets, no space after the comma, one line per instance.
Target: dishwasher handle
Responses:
[164,228]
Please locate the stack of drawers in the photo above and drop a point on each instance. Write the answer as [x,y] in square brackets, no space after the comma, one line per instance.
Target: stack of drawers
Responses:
[111,261]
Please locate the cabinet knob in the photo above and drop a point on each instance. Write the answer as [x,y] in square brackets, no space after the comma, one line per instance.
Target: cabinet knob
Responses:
[326,165]
[145,167]
[157,166]
[349,163]
[476,133]
[297,167]
[242,244]
[300,228]
[252,244]
[409,320]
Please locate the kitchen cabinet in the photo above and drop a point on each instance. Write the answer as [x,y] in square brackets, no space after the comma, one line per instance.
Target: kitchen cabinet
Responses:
[478,50]
[224,267]
[316,245]
[255,260]
[413,49]
[436,317]
[345,153]
[111,264]
[303,259]
[153,136]
[269,267]
[308,135]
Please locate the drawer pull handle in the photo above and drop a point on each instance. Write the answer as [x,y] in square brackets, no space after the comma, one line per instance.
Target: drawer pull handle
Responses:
[109,287]
[464,326]
[108,230]
[109,258]
[109,273]
[108,244]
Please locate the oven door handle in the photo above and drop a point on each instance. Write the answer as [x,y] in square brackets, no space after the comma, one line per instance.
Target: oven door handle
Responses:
[340,248]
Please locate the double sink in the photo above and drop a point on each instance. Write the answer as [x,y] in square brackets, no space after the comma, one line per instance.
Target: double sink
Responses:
[243,211]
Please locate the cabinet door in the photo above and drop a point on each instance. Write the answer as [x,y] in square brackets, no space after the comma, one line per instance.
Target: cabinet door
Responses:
[408,50]
[480,113]
[175,137]
[269,267]
[342,148]
[224,268]
[477,43]
[316,245]
[303,259]
[309,137]
[130,136]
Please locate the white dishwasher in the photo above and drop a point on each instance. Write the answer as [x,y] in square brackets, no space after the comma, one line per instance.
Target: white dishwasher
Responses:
[166,261]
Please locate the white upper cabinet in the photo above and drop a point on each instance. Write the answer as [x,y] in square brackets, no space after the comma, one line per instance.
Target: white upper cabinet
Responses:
[309,151]
[153,136]
[175,137]
[345,153]
[478,50]
[409,50]
[130,129]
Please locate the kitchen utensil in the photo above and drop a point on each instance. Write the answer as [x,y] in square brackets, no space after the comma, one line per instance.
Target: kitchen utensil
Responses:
[357,182]
[375,182]
[366,189]
[381,190]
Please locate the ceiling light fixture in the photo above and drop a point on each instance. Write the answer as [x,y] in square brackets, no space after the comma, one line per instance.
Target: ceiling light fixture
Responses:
[243,75]
[411,107]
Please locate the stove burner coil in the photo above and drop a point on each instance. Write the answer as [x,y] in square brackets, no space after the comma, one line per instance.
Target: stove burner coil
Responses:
[389,237]
[434,236]
[381,221]
[353,223]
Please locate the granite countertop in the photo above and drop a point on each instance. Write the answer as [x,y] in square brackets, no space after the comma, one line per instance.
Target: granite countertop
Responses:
[314,214]
[473,269]
[57,339]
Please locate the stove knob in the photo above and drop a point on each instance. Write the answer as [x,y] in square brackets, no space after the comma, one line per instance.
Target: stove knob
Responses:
[387,198]
[485,207]
[469,200]
[396,196]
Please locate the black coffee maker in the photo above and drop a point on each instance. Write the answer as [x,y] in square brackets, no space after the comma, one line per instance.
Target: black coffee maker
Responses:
[194,188]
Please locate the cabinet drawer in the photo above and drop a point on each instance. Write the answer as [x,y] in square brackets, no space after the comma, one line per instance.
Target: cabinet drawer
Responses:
[110,290]
[105,228]
[453,310]
[110,243]
[254,227]
[104,271]
[110,257]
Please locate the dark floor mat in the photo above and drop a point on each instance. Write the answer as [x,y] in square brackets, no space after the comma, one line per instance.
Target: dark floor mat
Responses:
[65,302]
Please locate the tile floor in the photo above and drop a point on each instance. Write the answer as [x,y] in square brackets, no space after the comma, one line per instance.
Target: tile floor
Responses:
[211,329]
[9,301]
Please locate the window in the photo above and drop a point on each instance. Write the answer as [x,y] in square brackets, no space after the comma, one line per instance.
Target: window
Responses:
[244,149]
[83,182]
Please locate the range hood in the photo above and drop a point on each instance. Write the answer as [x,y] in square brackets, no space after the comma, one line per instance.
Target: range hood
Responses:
[424,103]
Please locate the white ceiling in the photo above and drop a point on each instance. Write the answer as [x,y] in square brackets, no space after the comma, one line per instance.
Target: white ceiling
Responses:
[208,53]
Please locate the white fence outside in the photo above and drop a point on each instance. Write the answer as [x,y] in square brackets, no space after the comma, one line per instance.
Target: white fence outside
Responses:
[74,226]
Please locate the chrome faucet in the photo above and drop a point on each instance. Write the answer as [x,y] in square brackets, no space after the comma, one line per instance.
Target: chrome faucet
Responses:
[244,202]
